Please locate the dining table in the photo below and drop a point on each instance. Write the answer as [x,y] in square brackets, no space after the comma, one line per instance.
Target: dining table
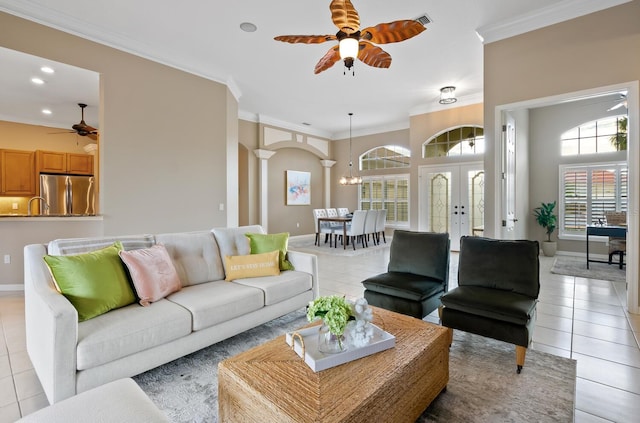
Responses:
[340,219]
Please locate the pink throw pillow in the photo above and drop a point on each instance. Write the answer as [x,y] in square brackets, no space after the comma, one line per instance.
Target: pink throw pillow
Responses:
[152,272]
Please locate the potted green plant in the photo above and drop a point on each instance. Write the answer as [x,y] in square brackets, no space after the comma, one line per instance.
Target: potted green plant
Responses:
[548,220]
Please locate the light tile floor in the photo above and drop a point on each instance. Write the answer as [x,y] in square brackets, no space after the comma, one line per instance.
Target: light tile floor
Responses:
[579,318]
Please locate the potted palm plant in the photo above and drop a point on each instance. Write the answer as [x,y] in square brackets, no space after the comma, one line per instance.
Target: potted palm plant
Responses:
[548,220]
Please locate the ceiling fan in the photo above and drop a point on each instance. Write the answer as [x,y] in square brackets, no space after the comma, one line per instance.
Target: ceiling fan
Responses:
[621,103]
[82,128]
[354,42]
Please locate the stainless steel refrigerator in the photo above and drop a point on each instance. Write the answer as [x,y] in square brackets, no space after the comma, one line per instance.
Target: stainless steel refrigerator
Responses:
[68,195]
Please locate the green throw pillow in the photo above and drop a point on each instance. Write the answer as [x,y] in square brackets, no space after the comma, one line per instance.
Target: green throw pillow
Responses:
[93,282]
[265,243]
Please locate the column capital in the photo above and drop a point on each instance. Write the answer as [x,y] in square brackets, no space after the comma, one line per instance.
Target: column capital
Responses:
[327,163]
[263,154]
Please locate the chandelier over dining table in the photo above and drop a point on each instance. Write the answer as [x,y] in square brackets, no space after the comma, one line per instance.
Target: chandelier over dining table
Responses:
[351,179]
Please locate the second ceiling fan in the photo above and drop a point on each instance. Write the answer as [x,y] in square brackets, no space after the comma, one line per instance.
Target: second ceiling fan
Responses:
[356,43]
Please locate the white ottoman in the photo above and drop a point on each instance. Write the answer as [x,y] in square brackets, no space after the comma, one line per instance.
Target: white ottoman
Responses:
[118,401]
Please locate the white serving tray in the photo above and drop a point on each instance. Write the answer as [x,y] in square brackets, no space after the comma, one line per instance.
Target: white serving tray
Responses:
[320,361]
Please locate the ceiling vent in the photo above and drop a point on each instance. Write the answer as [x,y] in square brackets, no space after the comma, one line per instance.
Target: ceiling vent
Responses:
[423,19]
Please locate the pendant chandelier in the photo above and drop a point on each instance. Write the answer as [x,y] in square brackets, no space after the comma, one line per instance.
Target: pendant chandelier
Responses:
[351,179]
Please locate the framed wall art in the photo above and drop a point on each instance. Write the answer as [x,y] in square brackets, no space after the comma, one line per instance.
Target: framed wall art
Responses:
[298,188]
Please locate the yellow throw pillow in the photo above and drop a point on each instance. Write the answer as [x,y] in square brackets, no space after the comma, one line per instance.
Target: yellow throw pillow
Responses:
[252,265]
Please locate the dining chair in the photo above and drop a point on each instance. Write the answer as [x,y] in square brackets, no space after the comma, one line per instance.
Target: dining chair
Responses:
[381,223]
[343,211]
[370,226]
[356,230]
[321,227]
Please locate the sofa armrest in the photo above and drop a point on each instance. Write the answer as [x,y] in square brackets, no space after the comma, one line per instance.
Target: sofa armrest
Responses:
[305,262]
[51,328]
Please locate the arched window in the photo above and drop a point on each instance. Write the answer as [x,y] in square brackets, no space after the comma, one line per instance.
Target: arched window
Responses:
[598,136]
[460,141]
[385,157]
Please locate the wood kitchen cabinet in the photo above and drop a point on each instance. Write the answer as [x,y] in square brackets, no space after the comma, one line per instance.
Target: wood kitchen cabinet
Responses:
[79,164]
[59,162]
[17,173]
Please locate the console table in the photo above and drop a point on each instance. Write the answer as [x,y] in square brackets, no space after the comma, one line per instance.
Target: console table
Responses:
[614,231]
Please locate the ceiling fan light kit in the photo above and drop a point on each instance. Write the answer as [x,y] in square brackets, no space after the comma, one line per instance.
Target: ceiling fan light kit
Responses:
[351,179]
[448,95]
[354,43]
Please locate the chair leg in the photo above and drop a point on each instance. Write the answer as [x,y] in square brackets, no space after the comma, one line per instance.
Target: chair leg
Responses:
[621,259]
[521,352]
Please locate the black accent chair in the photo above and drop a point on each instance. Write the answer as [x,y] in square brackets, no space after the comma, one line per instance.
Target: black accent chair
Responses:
[498,288]
[417,276]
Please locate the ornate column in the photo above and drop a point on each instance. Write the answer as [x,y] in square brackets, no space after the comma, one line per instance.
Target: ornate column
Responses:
[263,182]
[327,165]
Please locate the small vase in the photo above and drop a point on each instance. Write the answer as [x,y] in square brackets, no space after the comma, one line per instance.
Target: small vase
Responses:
[329,343]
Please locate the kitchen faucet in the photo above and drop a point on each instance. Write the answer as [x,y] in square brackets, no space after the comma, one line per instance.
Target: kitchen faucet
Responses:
[44,202]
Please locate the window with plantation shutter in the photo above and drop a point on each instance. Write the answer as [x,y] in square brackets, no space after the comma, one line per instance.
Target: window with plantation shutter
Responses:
[588,192]
[390,192]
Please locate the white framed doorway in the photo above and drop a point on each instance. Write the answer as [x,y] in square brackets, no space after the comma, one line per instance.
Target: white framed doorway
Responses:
[452,200]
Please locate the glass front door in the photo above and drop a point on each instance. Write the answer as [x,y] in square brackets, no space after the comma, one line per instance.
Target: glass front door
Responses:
[452,200]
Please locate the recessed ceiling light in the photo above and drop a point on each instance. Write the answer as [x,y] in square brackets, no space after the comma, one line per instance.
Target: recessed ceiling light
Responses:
[248,27]
[46,111]
[37,81]
[47,69]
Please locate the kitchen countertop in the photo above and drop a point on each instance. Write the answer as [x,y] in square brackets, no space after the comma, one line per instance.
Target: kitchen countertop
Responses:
[37,217]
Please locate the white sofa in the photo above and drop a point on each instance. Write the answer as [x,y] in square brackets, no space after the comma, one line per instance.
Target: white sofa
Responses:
[71,357]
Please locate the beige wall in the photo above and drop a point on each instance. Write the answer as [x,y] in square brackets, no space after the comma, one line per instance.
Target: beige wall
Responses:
[165,134]
[249,201]
[297,220]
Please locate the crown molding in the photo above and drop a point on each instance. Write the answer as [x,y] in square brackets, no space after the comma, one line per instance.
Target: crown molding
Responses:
[563,11]
[267,120]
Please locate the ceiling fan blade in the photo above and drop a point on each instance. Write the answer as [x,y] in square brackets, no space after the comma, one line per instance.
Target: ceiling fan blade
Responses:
[345,16]
[78,127]
[328,60]
[392,32]
[306,39]
[374,55]
[93,136]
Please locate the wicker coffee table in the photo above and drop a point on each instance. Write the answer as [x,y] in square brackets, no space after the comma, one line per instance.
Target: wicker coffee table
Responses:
[271,383]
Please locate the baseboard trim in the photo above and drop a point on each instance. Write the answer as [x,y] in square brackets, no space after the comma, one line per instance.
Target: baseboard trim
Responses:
[13,287]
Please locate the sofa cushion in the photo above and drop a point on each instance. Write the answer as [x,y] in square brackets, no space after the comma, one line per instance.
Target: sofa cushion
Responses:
[279,288]
[195,256]
[506,306]
[65,247]
[152,272]
[130,330]
[93,282]
[216,302]
[233,242]
[263,243]
[252,265]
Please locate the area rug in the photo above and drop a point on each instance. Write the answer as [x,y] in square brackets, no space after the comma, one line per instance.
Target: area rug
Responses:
[305,244]
[577,266]
[483,383]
